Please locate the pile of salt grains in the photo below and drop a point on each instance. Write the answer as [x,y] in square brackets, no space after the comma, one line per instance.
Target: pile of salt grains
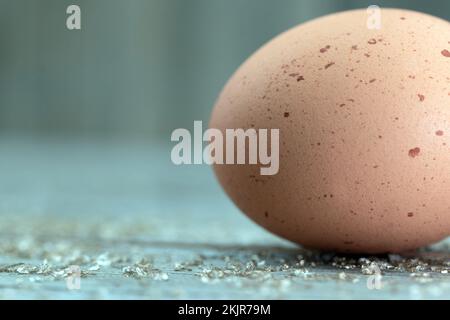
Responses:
[277,268]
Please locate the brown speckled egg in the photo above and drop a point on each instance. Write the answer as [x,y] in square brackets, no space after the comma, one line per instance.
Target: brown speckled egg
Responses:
[364,119]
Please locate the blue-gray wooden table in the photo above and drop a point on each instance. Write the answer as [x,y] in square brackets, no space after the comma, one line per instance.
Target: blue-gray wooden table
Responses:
[115,219]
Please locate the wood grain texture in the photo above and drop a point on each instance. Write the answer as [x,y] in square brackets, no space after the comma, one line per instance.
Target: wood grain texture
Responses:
[140,228]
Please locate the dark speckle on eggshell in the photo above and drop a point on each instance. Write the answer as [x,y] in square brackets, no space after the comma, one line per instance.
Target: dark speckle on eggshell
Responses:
[414,152]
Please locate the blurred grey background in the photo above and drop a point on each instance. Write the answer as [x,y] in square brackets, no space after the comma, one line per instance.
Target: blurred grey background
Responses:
[138,67]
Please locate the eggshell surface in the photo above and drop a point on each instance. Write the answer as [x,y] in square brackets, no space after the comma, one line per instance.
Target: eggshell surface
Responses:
[364,119]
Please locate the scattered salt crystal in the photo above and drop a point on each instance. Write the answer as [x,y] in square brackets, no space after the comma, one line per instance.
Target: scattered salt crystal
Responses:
[95,267]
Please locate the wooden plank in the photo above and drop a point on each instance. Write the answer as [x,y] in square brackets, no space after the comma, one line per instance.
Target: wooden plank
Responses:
[139,228]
